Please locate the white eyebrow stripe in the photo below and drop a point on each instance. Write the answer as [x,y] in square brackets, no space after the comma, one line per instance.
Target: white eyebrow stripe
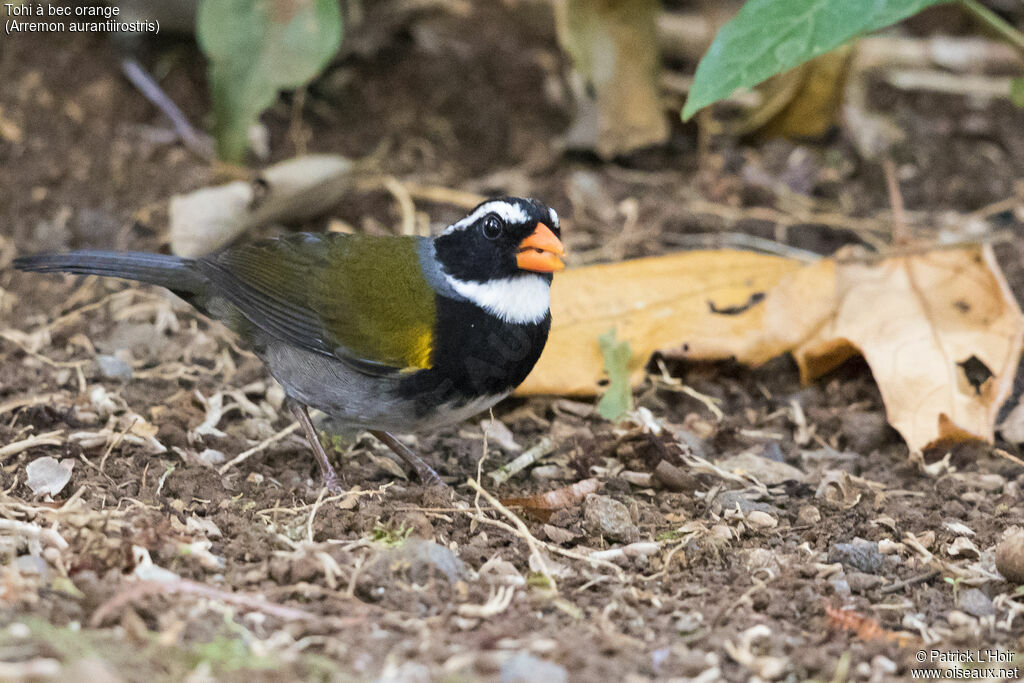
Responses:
[510,213]
[554,217]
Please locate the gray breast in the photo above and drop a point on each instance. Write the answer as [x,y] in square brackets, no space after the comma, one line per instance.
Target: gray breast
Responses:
[356,398]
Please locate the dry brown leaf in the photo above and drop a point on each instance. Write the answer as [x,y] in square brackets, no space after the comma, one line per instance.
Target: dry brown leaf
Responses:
[703,304]
[543,504]
[941,332]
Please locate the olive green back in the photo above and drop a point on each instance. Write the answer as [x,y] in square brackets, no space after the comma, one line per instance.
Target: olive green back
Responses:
[358,297]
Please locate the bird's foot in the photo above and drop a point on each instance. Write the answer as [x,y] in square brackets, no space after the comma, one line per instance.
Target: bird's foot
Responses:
[425,472]
[332,482]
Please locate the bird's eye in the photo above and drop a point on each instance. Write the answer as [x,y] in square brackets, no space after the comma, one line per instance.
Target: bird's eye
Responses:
[492,227]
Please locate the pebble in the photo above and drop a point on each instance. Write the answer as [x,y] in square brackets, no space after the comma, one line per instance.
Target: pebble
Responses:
[1010,556]
[976,603]
[212,457]
[675,478]
[767,471]
[861,555]
[808,516]
[609,518]
[523,667]
[859,582]
[730,500]
[761,520]
[112,367]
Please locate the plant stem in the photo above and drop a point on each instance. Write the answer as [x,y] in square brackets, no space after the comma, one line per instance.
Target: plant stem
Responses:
[995,22]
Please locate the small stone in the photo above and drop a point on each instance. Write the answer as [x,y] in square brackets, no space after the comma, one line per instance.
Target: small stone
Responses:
[808,516]
[112,367]
[730,500]
[840,585]
[212,457]
[643,479]
[557,534]
[609,518]
[523,667]
[1010,555]
[761,520]
[767,471]
[861,583]
[760,558]
[499,434]
[861,555]
[976,603]
[675,478]
[689,622]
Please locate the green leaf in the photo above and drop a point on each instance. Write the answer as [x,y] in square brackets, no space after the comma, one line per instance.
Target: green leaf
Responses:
[1017,91]
[256,48]
[618,399]
[767,37]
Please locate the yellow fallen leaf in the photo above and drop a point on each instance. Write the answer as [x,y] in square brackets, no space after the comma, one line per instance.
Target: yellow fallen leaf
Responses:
[941,332]
[706,304]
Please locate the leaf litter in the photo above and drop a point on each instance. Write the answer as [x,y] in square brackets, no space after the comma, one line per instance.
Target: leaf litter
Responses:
[704,571]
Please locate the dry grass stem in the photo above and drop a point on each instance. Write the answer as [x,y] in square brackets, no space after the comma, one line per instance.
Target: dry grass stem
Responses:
[141,589]
[53,438]
[537,452]
[269,441]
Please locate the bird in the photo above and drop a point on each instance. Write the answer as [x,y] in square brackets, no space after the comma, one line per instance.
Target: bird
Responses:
[391,334]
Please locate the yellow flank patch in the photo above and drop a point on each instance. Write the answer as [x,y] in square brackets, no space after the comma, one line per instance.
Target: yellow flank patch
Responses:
[420,350]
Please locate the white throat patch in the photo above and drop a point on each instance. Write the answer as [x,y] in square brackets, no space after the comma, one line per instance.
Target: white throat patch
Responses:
[521,299]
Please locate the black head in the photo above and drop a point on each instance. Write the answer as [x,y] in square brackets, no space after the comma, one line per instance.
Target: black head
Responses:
[502,238]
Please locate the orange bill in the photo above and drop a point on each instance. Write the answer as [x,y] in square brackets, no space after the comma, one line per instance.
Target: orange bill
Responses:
[540,251]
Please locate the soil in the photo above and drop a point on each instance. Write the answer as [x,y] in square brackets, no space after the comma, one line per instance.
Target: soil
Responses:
[838,558]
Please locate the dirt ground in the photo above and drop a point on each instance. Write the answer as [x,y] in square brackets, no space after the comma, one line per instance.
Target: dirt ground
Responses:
[155,563]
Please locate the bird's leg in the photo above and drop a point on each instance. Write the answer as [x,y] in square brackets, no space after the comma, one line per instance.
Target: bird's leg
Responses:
[331,479]
[424,471]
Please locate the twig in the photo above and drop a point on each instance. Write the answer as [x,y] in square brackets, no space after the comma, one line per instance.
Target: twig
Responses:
[868,229]
[900,231]
[741,240]
[245,455]
[49,536]
[522,531]
[47,439]
[537,452]
[138,590]
[115,442]
[558,550]
[667,563]
[312,514]
[444,195]
[1008,456]
[27,402]
[31,669]
[900,585]
[995,22]
[405,204]
[197,143]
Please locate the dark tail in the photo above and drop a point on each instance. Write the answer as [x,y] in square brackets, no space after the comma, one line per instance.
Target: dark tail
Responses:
[173,272]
